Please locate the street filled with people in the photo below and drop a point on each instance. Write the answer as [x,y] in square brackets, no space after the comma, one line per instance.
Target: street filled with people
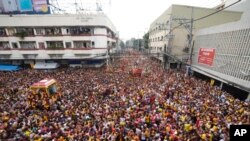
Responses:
[109,103]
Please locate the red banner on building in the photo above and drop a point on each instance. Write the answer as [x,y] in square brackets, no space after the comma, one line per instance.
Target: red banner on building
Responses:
[206,56]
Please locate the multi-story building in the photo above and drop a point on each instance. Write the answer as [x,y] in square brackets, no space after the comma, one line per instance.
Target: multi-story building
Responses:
[65,39]
[172,32]
[222,52]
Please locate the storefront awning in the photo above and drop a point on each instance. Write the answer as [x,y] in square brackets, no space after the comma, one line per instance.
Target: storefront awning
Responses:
[9,68]
[46,65]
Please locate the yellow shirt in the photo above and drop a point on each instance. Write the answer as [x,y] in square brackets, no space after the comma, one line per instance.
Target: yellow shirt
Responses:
[183,118]
[203,136]
[187,127]
[39,139]
[27,133]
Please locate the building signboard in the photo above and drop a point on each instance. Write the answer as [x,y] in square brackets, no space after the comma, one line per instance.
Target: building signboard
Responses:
[206,56]
[24,7]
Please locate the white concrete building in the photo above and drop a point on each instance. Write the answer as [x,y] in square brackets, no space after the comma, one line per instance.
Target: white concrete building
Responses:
[229,45]
[170,32]
[66,39]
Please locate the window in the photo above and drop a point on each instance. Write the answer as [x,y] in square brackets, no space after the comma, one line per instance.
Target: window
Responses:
[113,44]
[14,45]
[55,44]
[53,31]
[27,45]
[82,44]
[2,32]
[4,45]
[67,31]
[68,44]
[29,56]
[27,31]
[93,44]
[40,31]
[11,31]
[5,56]
[108,43]
[55,56]
[41,45]
[80,30]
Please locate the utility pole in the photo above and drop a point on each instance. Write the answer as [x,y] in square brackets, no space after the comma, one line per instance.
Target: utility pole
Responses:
[191,36]
[166,64]
[107,55]
[188,25]
[188,67]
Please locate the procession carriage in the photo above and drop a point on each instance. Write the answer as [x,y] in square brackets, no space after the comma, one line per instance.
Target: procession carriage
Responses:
[43,93]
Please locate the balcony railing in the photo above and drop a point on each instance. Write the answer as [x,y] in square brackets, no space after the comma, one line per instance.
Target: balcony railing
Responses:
[5,56]
[5,48]
[55,46]
[29,56]
[56,56]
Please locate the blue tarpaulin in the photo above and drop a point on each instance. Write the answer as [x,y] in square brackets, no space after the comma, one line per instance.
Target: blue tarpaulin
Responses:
[9,68]
[93,62]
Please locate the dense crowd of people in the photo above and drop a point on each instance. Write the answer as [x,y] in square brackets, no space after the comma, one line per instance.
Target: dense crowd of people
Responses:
[101,104]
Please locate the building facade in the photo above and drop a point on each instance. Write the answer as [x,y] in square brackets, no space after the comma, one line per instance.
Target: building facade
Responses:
[66,39]
[222,52]
[172,32]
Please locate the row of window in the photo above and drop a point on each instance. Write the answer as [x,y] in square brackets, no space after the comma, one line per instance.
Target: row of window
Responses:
[156,48]
[49,31]
[52,56]
[188,37]
[28,31]
[161,26]
[156,39]
[49,45]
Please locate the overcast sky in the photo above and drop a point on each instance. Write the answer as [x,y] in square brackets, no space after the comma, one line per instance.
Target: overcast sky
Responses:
[132,18]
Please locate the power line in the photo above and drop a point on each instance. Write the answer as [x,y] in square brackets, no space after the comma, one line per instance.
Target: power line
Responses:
[217,11]
[210,3]
[206,15]
[191,26]
[56,7]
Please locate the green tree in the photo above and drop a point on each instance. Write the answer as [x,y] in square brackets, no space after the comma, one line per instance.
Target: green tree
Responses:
[122,44]
[135,43]
[21,34]
[146,40]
